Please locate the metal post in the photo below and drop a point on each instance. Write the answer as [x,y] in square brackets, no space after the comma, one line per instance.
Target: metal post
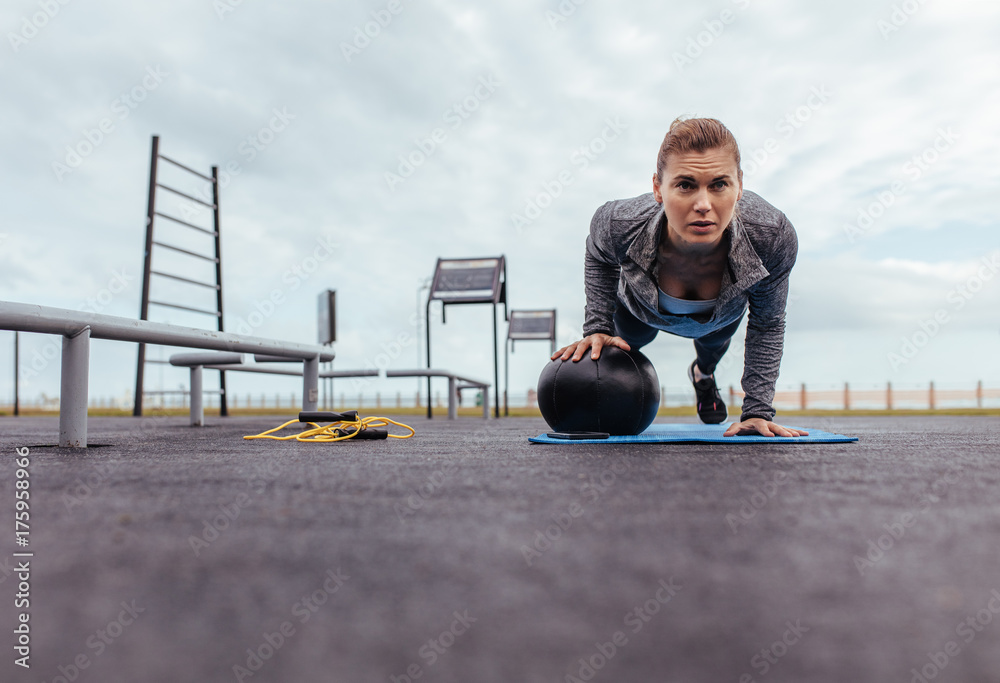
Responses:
[847,397]
[452,398]
[553,332]
[73,390]
[147,266]
[506,374]
[930,395]
[16,363]
[888,395]
[427,320]
[310,383]
[223,403]
[979,394]
[802,397]
[197,406]
[496,362]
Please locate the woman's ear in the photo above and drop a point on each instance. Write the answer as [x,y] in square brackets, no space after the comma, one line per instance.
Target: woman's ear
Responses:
[656,190]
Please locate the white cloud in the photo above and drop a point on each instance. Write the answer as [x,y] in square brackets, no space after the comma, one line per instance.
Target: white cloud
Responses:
[326,172]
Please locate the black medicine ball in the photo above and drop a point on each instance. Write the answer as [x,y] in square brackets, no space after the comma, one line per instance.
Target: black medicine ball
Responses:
[618,393]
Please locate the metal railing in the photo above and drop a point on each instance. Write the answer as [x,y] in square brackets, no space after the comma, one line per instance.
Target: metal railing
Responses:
[77,328]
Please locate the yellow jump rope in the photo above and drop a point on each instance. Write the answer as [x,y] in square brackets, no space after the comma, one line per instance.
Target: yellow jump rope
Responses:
[343,426]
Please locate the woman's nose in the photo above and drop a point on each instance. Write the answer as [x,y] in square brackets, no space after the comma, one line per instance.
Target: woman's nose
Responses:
[701,202]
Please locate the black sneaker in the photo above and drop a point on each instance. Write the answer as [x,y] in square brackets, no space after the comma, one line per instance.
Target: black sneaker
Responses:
[711,409]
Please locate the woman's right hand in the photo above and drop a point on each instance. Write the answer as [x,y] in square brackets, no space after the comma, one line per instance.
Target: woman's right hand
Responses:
[595,341]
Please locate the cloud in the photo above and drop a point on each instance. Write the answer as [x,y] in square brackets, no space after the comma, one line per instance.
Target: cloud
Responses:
[558,83]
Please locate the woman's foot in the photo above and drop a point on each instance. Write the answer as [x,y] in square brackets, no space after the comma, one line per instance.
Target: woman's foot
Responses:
[711,409]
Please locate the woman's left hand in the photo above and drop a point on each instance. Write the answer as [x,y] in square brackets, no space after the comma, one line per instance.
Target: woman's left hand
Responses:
[763,427]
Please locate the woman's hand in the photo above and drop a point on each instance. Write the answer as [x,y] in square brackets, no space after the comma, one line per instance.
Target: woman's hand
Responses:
[595,341]
[763,427]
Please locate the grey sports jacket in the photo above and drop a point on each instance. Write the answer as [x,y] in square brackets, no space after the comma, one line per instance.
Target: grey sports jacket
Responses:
[621,269]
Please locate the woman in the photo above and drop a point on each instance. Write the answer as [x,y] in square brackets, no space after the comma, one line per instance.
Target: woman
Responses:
[690,258]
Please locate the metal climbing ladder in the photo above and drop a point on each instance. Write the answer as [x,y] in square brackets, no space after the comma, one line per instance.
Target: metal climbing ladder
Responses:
[151,214]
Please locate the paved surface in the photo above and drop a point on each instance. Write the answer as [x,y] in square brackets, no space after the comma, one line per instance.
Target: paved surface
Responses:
[365,561]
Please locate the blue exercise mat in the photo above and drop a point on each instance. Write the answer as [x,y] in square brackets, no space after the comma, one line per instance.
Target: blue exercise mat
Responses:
[672,433]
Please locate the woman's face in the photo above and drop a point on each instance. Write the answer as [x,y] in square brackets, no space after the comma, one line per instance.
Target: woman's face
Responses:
[699,191]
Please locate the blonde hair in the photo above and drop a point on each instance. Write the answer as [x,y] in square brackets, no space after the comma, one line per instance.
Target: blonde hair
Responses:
[696,135]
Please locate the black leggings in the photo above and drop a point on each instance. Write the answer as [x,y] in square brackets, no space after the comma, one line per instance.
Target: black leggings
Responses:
[709,349]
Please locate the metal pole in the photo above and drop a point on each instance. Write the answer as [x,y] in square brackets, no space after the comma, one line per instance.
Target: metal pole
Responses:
[452,398]
[506,375]
[17,409]
[553,332]
[496,364]
[223,403]
[73,390]
[197,407]
[310,383]
[427,325]
[147,266]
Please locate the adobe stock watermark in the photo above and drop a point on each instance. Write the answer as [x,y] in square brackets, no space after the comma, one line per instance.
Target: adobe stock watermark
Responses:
[389,352]
[224,7]
[434,484]
[896,529]
[436,647]
[767,657]
[581,158]
[913,169]
[121,108]
[958,297]
[85,486]
[698,43]
[593,490]
[454,118]
[967,630]
[99,642]
[786,127]
[363,35]
[419,496]
[31,25]
[230,510]
[564,11]
[898,18]
[303,610]
[588,666]
[250,147]
[293,278]
[119,283]
[759,498]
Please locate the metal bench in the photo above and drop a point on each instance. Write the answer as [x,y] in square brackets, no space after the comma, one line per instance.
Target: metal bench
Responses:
[77,328]
[240,362]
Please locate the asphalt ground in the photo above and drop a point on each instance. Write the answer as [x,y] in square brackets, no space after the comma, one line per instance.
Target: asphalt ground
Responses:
[468,554]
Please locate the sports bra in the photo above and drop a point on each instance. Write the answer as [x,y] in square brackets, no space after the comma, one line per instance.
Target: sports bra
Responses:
[675,306]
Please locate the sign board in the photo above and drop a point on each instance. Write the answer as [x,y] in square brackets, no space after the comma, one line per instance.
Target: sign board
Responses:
[532,325]
[327,320]
[468,281]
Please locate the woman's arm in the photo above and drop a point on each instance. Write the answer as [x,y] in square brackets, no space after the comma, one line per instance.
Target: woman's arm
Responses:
[601,271]
[766,327]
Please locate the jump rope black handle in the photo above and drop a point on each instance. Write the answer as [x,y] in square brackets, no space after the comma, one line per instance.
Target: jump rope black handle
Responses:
[314,416]
[349,416]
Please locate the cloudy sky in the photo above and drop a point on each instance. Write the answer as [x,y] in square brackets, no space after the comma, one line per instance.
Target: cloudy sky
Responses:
[400,131]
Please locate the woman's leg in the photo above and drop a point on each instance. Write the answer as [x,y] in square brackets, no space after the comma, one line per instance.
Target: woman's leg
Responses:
[635,332]
[712,347]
